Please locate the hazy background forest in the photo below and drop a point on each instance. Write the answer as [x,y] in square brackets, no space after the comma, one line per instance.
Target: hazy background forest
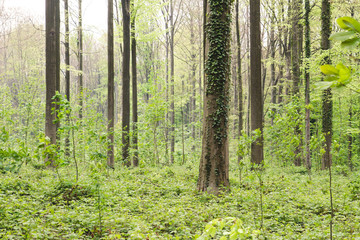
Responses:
[156,197]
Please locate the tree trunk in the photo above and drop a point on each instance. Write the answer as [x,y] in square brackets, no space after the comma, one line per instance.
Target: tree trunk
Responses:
[295,65]
[134,87]
[257,154]
[126,82]
[239,76]
[52,69]
[214,163]
[80,61]
[111,85]
[67,71]
[307,84]
[327,95]
[272,67]
[172,92]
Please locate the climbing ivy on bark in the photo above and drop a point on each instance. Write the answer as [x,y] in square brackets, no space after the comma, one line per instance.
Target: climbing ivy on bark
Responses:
[217,67]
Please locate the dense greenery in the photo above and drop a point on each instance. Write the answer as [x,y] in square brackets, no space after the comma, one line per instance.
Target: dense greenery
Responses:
[162,203]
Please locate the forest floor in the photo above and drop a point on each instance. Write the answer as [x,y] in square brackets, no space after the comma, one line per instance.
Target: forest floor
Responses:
[162,203]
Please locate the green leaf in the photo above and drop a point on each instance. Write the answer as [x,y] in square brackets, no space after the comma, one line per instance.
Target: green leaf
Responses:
[329,70]
[348,23]
[212,231]
[344,73]
[351,43]
[342,36]
[323,85]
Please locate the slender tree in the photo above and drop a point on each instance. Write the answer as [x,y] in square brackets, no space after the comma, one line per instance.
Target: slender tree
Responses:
[126,82]
[296,37]
[111,96]
[134,86]
[327,95]
[52,69]
[256,95]
[80,60]
[239,76]
[67,71]
[307,84]
[214,163]
[172,77]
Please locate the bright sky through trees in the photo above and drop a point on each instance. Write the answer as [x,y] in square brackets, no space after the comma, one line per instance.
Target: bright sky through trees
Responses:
[94,11]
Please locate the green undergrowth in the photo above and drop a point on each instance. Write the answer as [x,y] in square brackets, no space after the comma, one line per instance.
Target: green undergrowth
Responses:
[153,203]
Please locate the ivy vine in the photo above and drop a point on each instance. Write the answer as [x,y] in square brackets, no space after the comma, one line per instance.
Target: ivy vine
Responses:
[217,66]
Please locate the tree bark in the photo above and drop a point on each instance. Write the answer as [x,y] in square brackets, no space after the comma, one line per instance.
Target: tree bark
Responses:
[295,65]
[214,163]
[239,76]
[134,87]
[52,70]
[257,154]
[172,91]
[126,83]
[80,62]
[327,95]
[111,86]
[67,71]
[307,84]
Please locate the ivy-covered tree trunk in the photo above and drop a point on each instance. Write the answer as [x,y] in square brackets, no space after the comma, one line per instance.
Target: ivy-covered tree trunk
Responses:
[327,95]
[126,83]
[52,69]
[214,163]
[257,154]
[110,153]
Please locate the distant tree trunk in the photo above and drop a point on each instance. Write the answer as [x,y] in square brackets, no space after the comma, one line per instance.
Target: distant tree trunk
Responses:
[172,91]
[350,138]
[67,71]
[80,60]
[214,163]
[126,82]
[239,76]
[295,65]
[110,153]
[327,95]
[193,81]
[272,67]
[307,84]
[52,69]
[257,154]
[134,87]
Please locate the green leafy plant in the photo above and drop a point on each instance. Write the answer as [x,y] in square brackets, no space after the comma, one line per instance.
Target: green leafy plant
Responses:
[228,228]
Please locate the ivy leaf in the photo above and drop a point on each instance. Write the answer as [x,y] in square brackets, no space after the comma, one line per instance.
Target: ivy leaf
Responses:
[348,23]
[342,36]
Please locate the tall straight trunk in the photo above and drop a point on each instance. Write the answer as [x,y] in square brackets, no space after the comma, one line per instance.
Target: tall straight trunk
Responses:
[272,67]
[214,162]
[239,76]
[307,84]
[295,65]
[327,95]
[111,86]
[67,71]
[257,154]
[126,82]
[134,87]
[52,70]
[167,38]
[80,61]
[193,82]
[172,91]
